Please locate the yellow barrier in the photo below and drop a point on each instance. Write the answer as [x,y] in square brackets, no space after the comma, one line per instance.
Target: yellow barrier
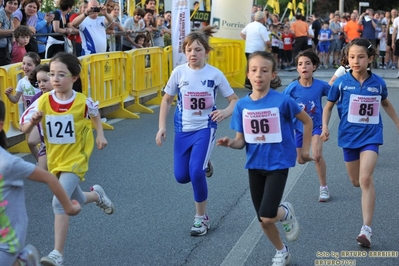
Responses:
[104,79]
[8,123]
[167,63]
[145,68]
[227,55]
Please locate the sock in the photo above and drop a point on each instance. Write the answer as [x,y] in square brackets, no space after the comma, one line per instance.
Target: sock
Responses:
[56,252]
[286,213]
[367,227]
[283,250]
[326,187]
[99,197]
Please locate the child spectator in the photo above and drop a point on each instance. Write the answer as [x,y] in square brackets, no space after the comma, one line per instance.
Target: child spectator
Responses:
[158,35]
[288,39]
[274,36]
[280,45]
[139,41]
[325,37]
[22,35]
[382,36]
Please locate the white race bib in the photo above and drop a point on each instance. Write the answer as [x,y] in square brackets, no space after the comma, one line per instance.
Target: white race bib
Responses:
[364,109]
[262,126]
[60,129]
[199,103]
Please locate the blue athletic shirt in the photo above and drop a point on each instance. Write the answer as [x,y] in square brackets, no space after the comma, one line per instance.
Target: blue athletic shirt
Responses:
[259,120]
[309,99]
[196,95]
[361,124]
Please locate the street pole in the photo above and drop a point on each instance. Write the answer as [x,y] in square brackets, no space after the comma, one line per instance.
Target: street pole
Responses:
[341,6]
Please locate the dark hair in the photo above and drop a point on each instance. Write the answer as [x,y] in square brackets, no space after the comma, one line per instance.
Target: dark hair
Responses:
[138,37]
[70,60]
[366,44]
[32,76]
[276,82]
[311,55]
[148,1]
[201,36]
[6,1]
[3,137]
[34,56]
[22,31]
[148,11]
[65,4]
[344,57]
[139,11]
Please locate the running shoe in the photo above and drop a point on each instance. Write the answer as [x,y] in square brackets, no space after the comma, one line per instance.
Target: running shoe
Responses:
[281,258]
[104,202]
[324,194]
[364,238]
[29,255]
[52,259]
[209,169]
[201,225]
[290,223]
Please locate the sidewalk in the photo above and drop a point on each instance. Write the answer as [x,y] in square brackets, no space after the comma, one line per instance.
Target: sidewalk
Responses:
[389,75]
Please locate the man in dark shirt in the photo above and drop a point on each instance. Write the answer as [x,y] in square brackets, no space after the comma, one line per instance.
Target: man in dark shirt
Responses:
[316,27]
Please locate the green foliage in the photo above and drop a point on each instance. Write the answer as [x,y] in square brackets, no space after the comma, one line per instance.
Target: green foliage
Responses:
[48,6]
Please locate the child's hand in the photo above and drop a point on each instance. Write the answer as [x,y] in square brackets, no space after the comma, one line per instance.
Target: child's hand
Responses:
[325,135]
[8,91]
[306,157]
[75,208]
[36,117]
[218,115]
[101,142]
[225,141]
[161,136]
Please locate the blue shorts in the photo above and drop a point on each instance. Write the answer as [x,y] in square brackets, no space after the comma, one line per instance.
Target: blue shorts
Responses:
[351,155]
[324,48]
[299,136]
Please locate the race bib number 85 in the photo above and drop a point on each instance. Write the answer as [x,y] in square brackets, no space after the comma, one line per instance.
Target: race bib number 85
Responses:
[364,109]
[60,129]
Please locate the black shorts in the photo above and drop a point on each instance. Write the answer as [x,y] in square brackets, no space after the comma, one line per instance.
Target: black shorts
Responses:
[275,49]
[267,188]
[396,52]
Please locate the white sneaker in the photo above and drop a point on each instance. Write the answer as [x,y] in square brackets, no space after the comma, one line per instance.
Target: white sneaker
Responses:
[324,194]
[201,225]
[104,203]
[290,224]
[29,255]
[364,238]
[52,259]
[281,258]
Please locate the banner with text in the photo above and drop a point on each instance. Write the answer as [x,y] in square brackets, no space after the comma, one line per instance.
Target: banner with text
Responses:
[230,17]
[180,28]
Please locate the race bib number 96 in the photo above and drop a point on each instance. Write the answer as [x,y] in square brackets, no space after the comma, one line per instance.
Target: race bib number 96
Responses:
[262,126]
[60,129]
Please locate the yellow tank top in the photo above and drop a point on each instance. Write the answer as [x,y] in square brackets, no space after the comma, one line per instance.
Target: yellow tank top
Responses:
[68,136]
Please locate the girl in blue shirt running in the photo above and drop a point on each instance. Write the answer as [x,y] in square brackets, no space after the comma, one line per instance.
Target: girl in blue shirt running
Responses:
[263,121]
[307,93]
[359,94]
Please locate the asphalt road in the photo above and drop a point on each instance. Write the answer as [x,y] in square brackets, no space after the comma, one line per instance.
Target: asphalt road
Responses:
[154,214]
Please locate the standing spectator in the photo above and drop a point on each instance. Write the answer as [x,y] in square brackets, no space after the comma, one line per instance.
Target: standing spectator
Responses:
[27,15]
[6,28]
[390,57]
[43,26]
[275,41]
[151,5]
[75,36]
[117,27]
[256,38]
[92,28]
[158,35]
[310,33]
[300,30]
[382,36]
[55,44]
[325,37]
[352,29]
[316,27]
[254,10]
[150,26]
[336,43]
[168,19]
[369,25]
[288,39]
[133,24]
[395,39]
[22,34]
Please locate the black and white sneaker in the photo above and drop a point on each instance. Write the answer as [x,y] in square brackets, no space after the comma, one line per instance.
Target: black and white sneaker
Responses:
[282,258]
[209,169]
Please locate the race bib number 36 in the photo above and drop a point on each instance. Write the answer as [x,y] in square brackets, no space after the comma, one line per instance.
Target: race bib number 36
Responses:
[364,109]
[262,126]
[60,129]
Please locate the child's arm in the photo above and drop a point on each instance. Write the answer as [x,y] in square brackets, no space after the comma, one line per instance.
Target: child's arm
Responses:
[237,143]
[100,139]
[35,119]
[39,175]
[163,113]
[390,110]
[13,98]
[307,135]
[325,133]
[219,115]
